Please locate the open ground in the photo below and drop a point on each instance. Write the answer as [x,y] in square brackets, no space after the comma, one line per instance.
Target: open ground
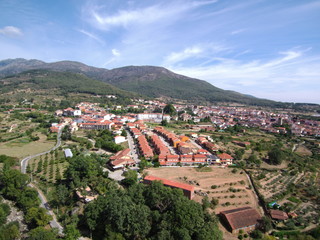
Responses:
[231,189]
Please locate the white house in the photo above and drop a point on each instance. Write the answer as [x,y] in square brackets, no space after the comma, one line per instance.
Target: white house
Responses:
[119,139]
[77,113]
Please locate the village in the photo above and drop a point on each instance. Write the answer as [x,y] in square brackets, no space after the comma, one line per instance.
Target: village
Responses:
[148,140]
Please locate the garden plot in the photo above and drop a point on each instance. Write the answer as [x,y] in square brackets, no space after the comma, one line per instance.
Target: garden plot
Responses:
[229,187]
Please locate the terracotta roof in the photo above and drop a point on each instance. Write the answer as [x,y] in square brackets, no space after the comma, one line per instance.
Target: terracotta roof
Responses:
[170,183]
[120,161]
[278,215]
[121,154]
[224,156]
[241,217]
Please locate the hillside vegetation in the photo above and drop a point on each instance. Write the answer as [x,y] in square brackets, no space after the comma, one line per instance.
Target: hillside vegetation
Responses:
[146,80]
[50,84]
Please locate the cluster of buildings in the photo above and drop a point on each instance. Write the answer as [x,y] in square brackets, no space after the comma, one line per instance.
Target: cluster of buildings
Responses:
[225,117]
[121,159]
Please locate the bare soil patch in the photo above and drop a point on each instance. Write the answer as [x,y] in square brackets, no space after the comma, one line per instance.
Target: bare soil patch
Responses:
[231,189]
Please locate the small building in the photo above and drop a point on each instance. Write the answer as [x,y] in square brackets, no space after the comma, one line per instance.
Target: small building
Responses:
[119,139]
[246,219]
[187,189]
[68,153]
[225,159]
[121,159]
[278,215]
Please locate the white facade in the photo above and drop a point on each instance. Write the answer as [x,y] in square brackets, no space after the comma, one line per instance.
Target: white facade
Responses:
[77,113]
[119,139]
[157,117]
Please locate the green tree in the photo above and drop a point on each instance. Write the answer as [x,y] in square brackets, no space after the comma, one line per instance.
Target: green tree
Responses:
[239,153]
[276,156]
[169,109]
[10,231]
[12,182]
[28,198]
[71,232]
[62,194]
[124,133]
[37,217]
[131,178]
[265,224]
[40,233]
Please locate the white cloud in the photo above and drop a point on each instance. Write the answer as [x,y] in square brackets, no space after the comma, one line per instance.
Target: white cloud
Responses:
[175,57]
[91,35]
[292,71]
[143,16]
[11,31]
[115,52]
[237,31]
[203,51]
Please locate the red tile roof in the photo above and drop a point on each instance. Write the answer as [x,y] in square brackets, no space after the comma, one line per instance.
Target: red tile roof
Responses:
[171,183]
[224,156]
[241,217]
[278,215]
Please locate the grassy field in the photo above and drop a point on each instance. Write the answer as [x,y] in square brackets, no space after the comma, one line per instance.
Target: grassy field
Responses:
[23,147]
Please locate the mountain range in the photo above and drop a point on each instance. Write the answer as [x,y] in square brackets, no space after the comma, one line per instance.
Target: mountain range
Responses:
[148,81]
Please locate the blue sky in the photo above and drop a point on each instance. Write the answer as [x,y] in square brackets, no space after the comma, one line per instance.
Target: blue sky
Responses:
[266,48]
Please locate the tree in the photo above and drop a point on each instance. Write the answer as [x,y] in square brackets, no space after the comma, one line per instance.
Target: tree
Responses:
[28,198]
[239,153]
[276,156]
[12,182]
[205,203]
[62,194]
[164,123]
[214,202]
[169,109]
[10,231]
[71,232]
[265,224]
[36,217]
[124,133]
[41,233]
[131,178]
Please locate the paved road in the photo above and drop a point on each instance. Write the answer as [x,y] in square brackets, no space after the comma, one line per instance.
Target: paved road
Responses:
[24,162]
[44,203]
[171,148]
[133,148]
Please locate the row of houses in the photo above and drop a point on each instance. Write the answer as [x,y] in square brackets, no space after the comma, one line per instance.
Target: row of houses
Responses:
[144,147]
[211,147]
[172,159]
[159,146]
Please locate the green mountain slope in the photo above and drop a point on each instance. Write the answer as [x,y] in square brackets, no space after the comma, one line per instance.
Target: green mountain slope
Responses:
[146,80]
[160,82]
[60,83]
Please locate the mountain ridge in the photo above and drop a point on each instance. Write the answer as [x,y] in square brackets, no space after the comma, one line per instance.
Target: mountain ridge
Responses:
[151,81]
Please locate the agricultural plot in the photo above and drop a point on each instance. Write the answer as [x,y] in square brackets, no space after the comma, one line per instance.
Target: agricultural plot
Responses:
[230,188]
[293,192]
[272,185]
[48,168]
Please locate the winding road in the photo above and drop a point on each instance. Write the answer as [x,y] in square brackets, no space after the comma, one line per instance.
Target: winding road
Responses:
[44,202]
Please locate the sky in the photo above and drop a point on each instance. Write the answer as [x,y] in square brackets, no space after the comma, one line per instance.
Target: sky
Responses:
[265,48]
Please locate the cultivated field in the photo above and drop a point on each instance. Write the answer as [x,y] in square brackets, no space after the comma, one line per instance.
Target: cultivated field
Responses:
[231,189]
[23,147]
